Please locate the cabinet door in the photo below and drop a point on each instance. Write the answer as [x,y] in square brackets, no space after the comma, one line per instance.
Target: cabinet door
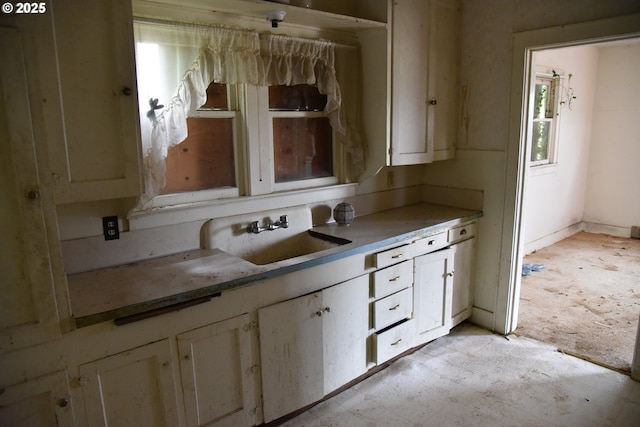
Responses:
[424,85]
[291,353]
[312,345]
[344,332]
[40,402]
[99,157]
[443,73]
[218,374]
[411,113]
[134,388]
[432,294]
[462,295]
[28,313]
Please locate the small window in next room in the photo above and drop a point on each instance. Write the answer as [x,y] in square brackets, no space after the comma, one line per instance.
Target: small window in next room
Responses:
[545,117]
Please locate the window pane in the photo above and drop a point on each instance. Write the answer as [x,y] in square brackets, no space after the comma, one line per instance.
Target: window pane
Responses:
[205,159]
[540,141]
[296,98]
[541,101]
[302,148]
[216,97]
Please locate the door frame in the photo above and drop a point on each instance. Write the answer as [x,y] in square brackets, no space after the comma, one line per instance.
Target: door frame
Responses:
[523,46]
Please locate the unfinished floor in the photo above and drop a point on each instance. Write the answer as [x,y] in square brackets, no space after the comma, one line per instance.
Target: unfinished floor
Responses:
[472,377]
[586,301]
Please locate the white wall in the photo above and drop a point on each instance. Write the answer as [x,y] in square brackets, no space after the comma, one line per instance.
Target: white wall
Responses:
[612,202]
[555,194]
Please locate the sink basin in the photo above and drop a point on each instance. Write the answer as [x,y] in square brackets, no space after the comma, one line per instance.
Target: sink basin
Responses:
[230,235]
[304,243]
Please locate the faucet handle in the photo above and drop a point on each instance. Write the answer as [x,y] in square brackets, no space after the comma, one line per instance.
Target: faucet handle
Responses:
[284,221]
[254,227]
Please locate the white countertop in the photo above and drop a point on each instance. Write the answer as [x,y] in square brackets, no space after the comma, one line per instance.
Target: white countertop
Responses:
[158,283]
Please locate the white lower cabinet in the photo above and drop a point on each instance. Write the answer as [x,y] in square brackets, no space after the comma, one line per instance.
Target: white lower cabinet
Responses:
[433,277]
[218,374]
[462,295]
[40,402]
[133,388]
[311,345]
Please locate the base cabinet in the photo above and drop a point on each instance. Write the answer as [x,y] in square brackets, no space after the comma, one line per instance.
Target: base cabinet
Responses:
[134,388]
[218,374]
[311,345]
[41,402]
[462,295]
[433,278]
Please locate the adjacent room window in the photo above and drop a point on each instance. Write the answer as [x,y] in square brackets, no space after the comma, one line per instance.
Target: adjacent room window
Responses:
[545,119]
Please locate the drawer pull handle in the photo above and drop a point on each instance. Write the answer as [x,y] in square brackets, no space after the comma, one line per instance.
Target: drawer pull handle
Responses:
[431,242]
[395,307]
[396,256]
[463,231]
[397,342]
[394,279]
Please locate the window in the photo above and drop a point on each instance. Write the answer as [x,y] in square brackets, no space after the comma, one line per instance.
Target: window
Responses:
[206,160]
[302,136]
[544,121]
[272,121]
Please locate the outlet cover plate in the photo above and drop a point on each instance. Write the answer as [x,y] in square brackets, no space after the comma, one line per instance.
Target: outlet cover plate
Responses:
[110,228]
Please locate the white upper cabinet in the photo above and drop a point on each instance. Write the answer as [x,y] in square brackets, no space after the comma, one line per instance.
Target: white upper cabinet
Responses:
[424,51]
[97,155]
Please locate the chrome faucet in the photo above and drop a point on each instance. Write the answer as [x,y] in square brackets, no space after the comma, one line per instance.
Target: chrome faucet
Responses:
[256,228]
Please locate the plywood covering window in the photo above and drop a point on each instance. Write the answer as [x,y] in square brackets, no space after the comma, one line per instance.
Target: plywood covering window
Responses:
[302,134]
[206,159]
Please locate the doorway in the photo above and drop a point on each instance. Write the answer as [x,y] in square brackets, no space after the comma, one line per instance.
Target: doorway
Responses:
[524,46]
[588,298]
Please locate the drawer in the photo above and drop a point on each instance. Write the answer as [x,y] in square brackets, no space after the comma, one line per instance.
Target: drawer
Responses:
[392,256]
[393,308]
[462,232]
[392,279]
[430,244]
[393,341]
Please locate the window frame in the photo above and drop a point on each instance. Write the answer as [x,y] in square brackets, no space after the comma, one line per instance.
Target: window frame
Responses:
[553,78]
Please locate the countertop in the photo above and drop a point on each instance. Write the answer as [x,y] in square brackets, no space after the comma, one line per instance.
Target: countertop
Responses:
[160,283]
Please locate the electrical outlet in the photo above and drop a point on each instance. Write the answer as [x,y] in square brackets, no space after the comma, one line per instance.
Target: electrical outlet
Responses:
[110,228]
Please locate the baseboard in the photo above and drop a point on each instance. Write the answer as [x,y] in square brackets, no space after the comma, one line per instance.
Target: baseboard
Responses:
[612,230]
[552,238]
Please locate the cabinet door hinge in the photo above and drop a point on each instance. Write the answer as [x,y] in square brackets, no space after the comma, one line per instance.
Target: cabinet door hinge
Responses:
[252,369]
[249,326]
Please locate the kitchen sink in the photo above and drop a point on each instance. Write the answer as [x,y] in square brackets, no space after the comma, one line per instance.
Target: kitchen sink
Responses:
[305,243]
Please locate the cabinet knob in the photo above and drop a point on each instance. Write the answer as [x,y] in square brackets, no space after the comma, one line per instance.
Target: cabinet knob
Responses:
[32,194]
[63,403]
[433,102]
[126,91]
[323,310]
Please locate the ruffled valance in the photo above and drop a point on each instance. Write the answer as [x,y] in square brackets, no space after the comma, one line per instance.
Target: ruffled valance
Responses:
[177,62]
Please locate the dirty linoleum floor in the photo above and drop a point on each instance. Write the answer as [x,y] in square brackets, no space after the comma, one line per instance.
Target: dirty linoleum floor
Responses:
[475,378]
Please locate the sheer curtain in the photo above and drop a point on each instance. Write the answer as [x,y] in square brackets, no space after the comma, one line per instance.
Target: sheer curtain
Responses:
[176,63]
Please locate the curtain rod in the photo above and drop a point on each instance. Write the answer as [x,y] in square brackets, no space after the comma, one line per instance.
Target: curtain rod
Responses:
[204,26]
